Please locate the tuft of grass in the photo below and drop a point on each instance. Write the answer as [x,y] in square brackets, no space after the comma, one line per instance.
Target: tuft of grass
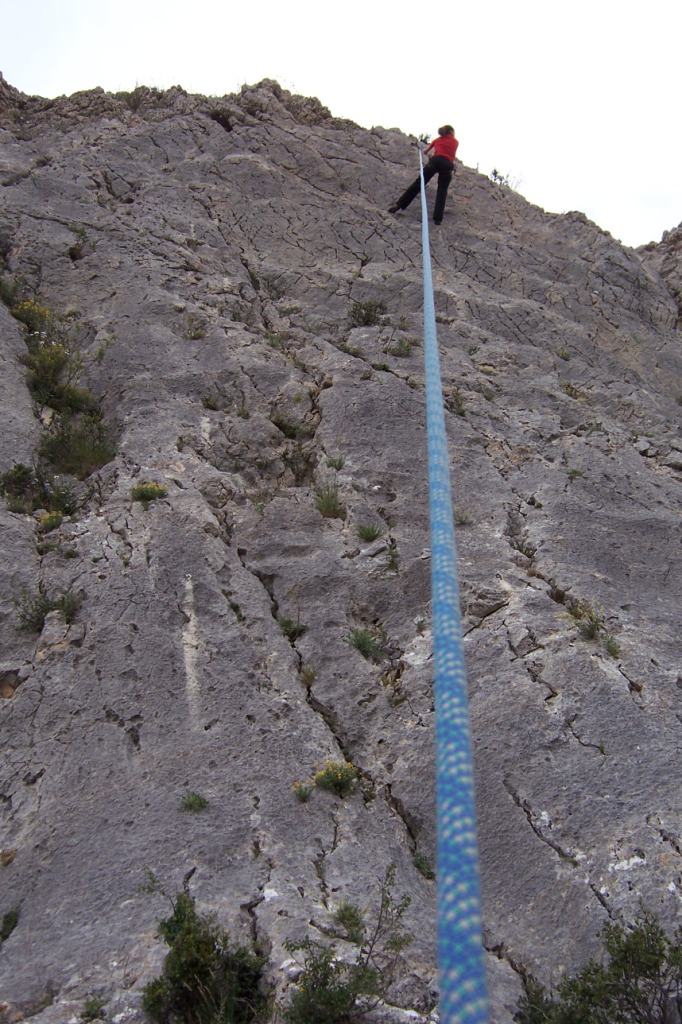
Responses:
[564,354]
[336,462]
[328,503]
[337,776]
[424,865]
[366,643]
[302,791]
[401,349]
[291,628]
[78,445]
[307,676]
[8,923]
[462,517]
[366,314]
[34,609]
[393,557]
[368,531]
[147,492]
[26,488]
[93,1008]
[455,402]
[349,917]
[193,802]
[50,521]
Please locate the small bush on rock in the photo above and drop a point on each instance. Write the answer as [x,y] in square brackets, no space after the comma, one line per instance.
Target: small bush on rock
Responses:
[78,445]
[336,990]
[207,978]
[27,489]
[366,314]
[147,492]
[337,776]
[637,981]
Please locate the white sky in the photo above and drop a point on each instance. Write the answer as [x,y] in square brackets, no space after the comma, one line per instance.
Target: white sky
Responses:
[579,100]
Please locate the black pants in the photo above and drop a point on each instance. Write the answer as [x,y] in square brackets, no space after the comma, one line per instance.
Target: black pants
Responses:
[441,166]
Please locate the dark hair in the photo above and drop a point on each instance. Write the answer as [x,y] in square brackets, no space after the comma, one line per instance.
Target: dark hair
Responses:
[447,129]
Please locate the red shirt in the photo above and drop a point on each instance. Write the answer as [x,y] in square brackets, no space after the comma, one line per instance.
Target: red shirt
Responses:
[445,145]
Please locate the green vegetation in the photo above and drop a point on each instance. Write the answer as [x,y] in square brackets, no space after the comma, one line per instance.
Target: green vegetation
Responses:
[291,628]
[336,462]
[335,990]
[401,349]
[93,1008]
[147,492]
[423,865]
[367,643]
[78,445]
[368,531]
[193,802]
[302,791]
[9,922]
[196,328]
[454,402]
[638,980]
[206,979]
[34,609]
[328,502]
[52,360]
[592,625]
[50,521]
[337,776]
[366,314]
[27,488]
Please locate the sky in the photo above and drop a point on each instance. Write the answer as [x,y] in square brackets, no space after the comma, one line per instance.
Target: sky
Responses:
[577,103]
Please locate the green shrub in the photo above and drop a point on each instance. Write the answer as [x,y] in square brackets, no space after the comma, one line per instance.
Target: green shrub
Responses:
[332,990]
[328,502]
[78,445]
[147,492]
[50,521]
[206,979]
[27,488]
[193,802]
[292,629]
[368,531]
[36,317]
[366,314]
[336,461]
[337,776]
[302,791]
[367,643]
[638,980]
[9,922]
[93,1008]
[423,865]
[34,609]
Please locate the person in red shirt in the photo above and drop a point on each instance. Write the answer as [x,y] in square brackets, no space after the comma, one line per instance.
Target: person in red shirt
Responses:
[442,163]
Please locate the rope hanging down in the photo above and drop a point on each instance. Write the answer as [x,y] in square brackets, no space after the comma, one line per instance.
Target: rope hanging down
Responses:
[463,993]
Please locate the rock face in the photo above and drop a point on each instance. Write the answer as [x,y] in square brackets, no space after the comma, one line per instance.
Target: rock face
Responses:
[215,257]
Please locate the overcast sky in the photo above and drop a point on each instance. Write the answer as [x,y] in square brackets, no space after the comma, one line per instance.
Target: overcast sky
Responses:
[579,103]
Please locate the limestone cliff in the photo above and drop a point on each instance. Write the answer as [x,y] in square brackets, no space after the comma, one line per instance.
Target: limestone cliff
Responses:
[220,266]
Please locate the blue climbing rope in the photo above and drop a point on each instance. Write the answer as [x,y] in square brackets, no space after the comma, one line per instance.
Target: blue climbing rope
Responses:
[463,991]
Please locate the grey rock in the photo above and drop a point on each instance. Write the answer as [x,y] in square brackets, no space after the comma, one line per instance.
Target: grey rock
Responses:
[225,243]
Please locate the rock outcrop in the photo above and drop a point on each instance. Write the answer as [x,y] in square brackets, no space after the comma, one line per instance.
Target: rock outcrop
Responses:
[215,260]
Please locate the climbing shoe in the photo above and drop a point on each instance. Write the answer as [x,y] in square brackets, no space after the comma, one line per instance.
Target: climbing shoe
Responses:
[394,209]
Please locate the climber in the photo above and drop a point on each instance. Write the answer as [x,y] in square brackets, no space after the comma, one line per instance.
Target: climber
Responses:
[441,163]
